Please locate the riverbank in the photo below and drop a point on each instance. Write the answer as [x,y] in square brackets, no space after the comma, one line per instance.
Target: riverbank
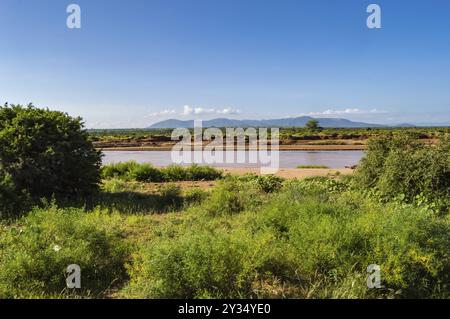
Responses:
[297,147]
[289,173]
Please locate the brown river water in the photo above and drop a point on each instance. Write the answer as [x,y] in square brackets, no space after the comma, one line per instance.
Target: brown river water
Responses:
[288,159]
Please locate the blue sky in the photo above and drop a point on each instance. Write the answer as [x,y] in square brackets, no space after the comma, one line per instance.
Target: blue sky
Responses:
[135,62]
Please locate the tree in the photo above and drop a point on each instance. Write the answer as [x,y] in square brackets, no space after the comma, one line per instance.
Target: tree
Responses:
[313,125]
[44,153]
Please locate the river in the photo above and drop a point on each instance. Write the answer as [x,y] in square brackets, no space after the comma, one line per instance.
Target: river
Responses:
[288,159]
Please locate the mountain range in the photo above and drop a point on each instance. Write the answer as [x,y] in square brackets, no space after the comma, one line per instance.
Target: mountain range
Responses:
[285,122]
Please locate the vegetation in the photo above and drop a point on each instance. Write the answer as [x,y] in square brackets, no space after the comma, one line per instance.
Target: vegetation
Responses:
[320,247]
[288,135]
[400,167]
[42,154]
[147,173]
[312,238]
[313,125]
[247,237]
[312,166]
[36,250]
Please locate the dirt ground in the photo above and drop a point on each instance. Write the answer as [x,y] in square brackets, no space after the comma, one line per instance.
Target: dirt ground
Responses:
[290,173]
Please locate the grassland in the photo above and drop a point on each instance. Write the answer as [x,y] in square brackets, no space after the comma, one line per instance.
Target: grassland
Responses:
[247,236]
[254,237]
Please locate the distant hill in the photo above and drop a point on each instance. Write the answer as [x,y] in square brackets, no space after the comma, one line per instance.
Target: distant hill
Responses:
[287,122]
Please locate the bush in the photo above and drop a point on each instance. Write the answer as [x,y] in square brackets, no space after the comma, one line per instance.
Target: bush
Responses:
[35,252]
[335,239]
[191,267]
[232,196]
[133,171]
[266,183]
[44,153]
[212,264]
[198,173]
[399,166]
[175,173]
[146,173]
[118,170]
[117,185]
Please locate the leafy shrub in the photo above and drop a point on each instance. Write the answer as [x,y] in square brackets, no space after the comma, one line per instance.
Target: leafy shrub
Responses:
[11,200]
[400,166]
[118,170]
[117,185]
[198,173]
[175,173]
[231,196]
[265,183]
[44,153]
[146,173]
[35,252]
[192,266]
[212,264]
[335,239]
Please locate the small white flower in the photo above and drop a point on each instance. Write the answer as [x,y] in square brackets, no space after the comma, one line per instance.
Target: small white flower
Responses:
[56,248]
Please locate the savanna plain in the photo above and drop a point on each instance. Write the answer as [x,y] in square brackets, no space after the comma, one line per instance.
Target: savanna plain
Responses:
[139,231]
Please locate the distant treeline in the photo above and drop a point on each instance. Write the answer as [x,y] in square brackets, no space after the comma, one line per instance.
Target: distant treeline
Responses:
[286,134]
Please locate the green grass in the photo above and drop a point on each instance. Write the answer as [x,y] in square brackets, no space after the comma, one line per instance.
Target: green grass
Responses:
[249,237]
[299,242]
[36,250]
[312,166]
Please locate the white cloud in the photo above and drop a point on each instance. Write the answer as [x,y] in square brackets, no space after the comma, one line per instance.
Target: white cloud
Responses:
[228,111]
[162,113]
[188,110]
[346,111]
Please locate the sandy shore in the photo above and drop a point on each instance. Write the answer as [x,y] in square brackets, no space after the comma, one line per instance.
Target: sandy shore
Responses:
[289,173]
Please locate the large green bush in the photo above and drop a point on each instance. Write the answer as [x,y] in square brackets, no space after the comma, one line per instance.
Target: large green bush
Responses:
[399,166]
[43,153]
